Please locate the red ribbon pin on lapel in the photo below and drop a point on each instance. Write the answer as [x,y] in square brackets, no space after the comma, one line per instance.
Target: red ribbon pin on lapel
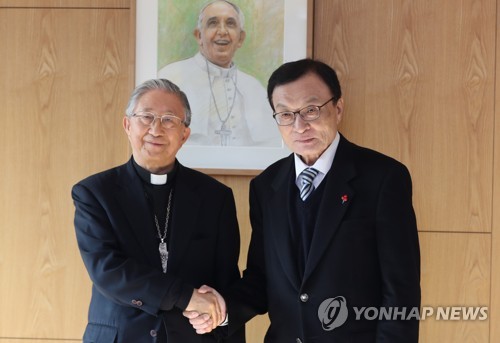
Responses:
[344,198]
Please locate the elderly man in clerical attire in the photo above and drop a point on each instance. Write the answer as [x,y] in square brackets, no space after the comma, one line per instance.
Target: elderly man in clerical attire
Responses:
[152,231]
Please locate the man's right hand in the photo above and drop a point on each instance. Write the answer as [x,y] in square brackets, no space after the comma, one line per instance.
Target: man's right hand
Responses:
[206,309]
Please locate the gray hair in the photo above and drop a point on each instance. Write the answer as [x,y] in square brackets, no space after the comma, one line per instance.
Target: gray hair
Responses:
[241,16]
[161,84]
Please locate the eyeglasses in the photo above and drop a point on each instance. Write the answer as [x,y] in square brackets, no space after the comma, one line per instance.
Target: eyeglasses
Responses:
[308,113]
[168,121]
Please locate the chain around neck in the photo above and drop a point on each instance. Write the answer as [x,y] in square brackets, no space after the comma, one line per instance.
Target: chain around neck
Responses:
[223,121]
[164,235]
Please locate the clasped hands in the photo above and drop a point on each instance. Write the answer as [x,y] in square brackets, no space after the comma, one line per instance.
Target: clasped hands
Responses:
[206,309]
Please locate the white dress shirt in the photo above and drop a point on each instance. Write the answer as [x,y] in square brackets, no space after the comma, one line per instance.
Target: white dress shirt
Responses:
[323,164]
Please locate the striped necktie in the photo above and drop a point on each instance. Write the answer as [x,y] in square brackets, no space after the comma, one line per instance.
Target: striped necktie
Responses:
[307,176]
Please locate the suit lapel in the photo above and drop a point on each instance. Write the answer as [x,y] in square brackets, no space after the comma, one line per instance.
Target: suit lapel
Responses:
[138,213]
[280,223]
[337,196]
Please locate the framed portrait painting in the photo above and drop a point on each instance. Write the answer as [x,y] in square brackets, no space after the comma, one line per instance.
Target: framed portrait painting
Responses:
[221,56]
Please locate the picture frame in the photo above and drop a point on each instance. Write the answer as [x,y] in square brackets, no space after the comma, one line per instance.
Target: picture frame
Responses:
[225,160]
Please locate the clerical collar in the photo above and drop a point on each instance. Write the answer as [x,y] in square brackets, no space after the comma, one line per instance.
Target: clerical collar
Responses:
[158,179]
[213,69]
[154,179]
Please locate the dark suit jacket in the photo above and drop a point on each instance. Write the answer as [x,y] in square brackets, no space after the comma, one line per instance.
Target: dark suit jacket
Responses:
[118,242]
[364,248]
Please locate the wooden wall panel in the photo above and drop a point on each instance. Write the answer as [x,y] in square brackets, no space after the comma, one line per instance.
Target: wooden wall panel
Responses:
[240,186]
[66,78]
[418,84]
[495,246]
[456,271]
[66,3]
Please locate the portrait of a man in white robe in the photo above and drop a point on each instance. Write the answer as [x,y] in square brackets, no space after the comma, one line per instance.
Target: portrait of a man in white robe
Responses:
[221,53]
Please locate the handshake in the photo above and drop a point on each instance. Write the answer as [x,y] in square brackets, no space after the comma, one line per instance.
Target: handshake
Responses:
[206,309]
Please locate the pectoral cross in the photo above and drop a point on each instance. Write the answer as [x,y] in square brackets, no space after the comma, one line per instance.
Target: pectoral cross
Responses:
[224,133]
[163,255]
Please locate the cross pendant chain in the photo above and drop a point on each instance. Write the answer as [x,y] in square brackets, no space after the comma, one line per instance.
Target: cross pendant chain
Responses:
[224,133]
[163,245]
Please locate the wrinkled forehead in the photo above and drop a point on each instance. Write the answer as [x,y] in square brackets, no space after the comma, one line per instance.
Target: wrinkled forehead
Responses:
[220,9]
[160,101]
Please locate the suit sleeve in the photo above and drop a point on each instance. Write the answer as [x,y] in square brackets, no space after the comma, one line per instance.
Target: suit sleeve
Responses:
[118,276]
[399,255]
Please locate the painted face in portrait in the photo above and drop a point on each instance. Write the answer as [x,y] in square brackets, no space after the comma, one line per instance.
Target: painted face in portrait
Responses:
[154,146]
[309,139]
[220,35]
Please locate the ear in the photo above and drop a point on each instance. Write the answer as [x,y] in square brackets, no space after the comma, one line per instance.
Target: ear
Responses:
[126,125]
[197,36]
[339,106]
[243,35]
[186,134]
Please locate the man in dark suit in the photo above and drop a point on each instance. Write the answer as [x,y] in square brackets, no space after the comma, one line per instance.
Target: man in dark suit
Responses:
[333,228]
[151,231]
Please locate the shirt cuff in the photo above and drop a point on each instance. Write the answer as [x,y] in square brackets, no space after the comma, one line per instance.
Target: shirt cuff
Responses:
[226,321]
